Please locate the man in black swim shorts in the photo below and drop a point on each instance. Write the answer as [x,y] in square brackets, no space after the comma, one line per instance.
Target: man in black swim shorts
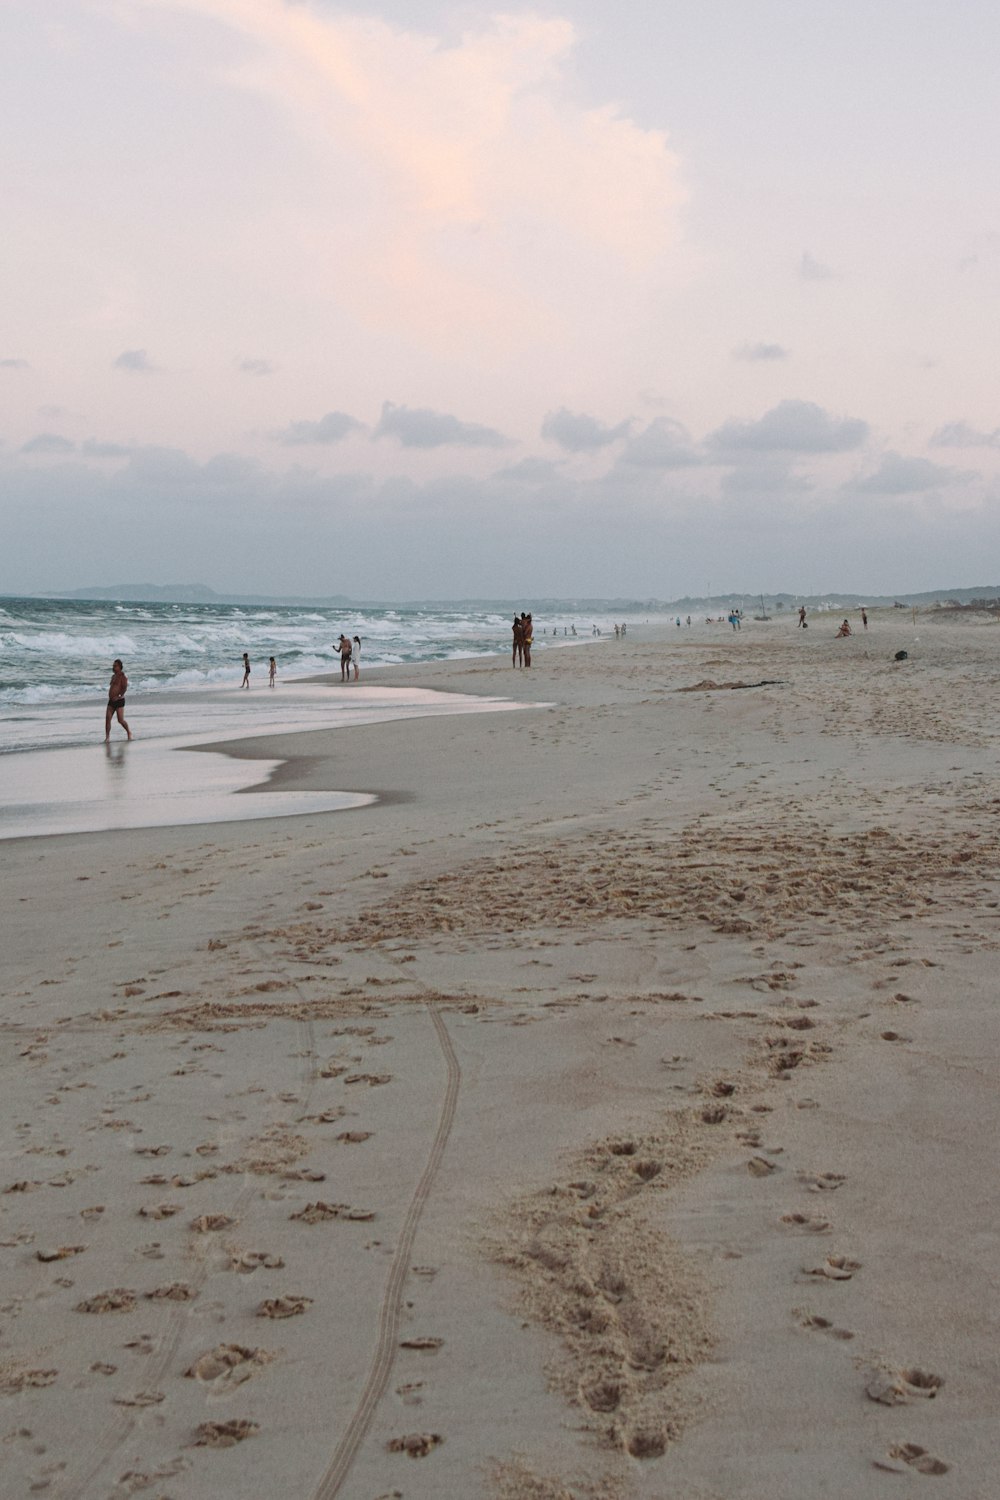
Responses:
[116,700]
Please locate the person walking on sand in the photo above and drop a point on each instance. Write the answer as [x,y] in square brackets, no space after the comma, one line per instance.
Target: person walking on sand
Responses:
[272,668]
[356,656]
[116,700]
[345,657]
[246,672]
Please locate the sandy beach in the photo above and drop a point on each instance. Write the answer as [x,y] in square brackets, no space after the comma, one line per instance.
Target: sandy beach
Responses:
[607,1112]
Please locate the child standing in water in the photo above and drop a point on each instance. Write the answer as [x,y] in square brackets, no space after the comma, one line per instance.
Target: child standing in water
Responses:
[272,668]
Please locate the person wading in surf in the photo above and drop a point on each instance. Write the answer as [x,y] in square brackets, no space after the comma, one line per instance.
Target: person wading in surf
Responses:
[116,700]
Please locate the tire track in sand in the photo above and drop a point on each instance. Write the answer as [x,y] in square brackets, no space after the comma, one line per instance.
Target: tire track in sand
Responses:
[389,1313]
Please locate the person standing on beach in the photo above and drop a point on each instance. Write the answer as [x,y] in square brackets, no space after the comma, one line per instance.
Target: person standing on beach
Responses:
[527,635]
[356,656]
[802,615]
[272,668]
[116,700]
[864,617]
[517,654]
[345,657]
[246,672]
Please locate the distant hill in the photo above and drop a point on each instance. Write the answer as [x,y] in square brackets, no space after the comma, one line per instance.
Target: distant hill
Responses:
[187,593]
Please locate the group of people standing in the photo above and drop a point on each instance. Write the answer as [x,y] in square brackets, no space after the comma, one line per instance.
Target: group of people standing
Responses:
[523,635]
[844,629]
[350,656]
[272,671]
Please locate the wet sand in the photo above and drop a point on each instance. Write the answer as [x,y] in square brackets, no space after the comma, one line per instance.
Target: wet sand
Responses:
[608,1110]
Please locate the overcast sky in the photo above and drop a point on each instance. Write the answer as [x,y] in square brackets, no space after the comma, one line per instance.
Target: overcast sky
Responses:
[412,298]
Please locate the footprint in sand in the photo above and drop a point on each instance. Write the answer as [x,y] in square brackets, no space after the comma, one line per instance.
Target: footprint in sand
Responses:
[209,1223]
[283,1307]
[160,1211]
[822,1182]
[834,1268]
[898,1387]
[228,1365]
[759,1166]
[62,1253]
[319,1212]
[647,1169]
[246,1261]
[225,1434]
[415,1444]
[807,1223]
[914,1457]
[817,1324]
[177,1291]
[646,1442]
[423,1345]
[13,1382]
[119,1299]
[604,1395]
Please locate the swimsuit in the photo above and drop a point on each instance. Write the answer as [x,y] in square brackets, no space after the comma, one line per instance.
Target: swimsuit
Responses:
[115,703]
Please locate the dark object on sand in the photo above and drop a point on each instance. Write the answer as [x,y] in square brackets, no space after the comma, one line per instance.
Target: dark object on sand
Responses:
[901,656]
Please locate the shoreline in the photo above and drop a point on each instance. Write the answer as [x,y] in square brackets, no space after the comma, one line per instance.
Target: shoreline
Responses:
[592,1117]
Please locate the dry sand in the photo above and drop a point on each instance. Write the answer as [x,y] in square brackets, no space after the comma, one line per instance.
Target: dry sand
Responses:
[609,1111]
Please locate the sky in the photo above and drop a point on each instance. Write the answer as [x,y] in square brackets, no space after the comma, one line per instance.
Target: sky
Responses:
[429,299]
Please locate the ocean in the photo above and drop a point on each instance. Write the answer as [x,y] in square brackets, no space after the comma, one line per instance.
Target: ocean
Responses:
[184,665]
[56,655]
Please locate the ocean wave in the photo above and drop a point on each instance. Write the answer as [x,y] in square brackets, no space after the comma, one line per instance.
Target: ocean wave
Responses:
[58,643]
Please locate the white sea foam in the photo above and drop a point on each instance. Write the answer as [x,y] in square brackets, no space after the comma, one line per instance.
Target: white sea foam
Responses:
[56,655]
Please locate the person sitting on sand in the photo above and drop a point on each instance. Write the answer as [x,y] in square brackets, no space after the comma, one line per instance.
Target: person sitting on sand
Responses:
[246,672]
[116,700]
[344,646]
[845,629]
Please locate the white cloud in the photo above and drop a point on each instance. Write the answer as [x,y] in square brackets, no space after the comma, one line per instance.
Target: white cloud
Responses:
[760,352]
[811,269]
[487,197]
[48,442]
[962,435]
[899,475]
[332,428]
[136,360]
[579,433]
[530,471]
[664,444]
[791,426]
[416,427]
